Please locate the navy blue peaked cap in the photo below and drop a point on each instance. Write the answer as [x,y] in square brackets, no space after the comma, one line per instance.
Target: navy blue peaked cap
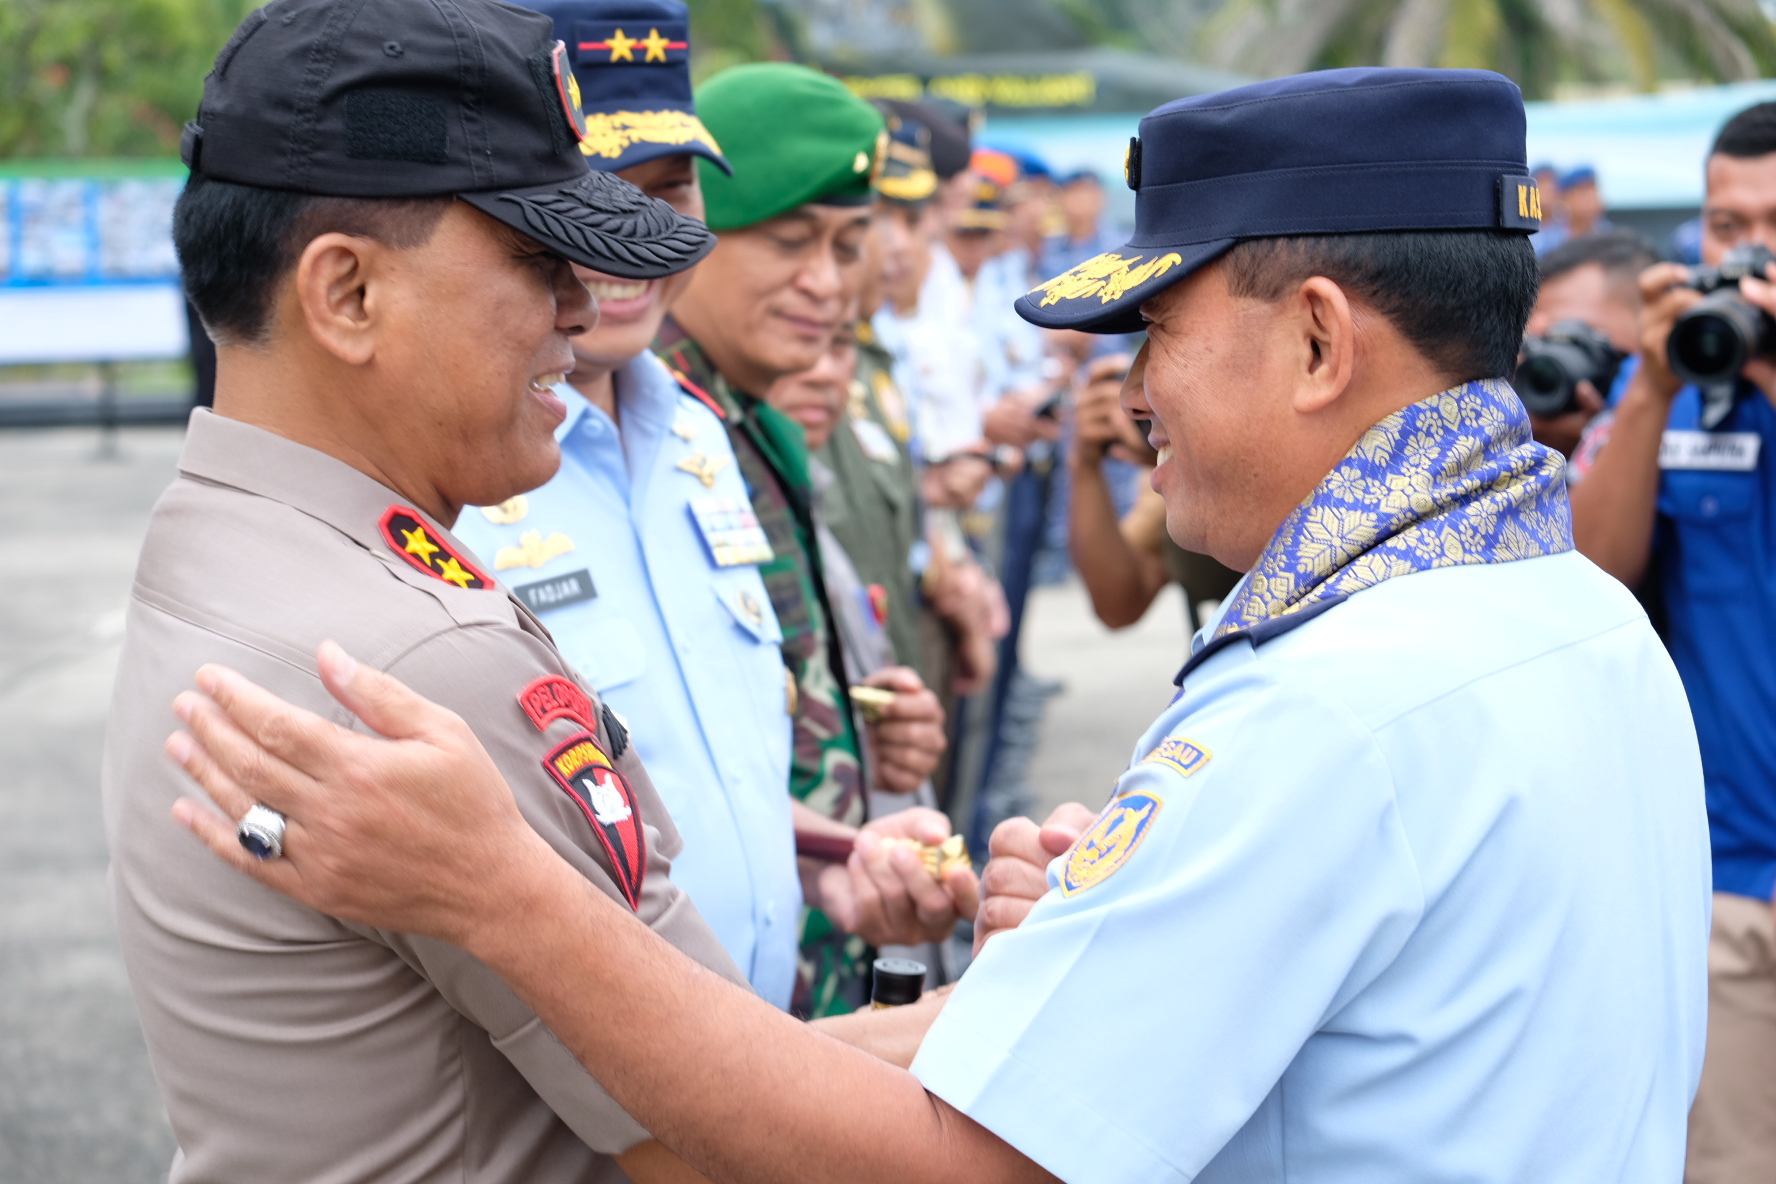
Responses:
[632,62]
[1337,151]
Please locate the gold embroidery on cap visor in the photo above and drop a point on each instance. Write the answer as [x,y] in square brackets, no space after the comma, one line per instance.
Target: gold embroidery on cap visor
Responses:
[611,133]
[1108,277]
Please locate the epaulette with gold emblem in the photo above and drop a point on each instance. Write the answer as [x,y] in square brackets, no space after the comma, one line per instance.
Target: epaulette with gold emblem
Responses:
[409,537]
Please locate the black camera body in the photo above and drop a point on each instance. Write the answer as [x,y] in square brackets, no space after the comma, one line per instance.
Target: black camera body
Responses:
[1551,367]
[1712,341]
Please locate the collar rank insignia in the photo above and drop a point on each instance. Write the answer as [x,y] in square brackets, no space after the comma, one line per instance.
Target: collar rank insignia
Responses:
[703,468]
[533,550]
[1107,843]
[1181,756]
[409,537]
[604,797]
[553,697]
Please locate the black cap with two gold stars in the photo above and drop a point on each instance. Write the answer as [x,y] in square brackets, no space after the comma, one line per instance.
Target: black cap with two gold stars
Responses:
[423,98]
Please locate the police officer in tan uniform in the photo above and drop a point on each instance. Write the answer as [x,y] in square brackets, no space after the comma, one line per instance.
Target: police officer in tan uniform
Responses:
[383,203]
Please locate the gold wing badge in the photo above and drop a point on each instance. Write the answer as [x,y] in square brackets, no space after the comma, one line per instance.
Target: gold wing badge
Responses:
[533,550]
[1108,277]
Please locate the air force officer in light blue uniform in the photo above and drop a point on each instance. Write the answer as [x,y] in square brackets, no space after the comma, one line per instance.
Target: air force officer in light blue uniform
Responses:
[612,555]
[638,555]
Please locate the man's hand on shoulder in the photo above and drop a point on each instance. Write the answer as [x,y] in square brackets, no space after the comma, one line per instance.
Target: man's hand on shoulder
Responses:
[1016,875]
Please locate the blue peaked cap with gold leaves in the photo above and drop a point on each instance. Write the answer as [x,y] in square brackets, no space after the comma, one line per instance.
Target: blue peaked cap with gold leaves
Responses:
[632,62]
[1337,151]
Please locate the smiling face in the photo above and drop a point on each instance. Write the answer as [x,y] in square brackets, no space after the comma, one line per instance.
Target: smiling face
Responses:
[630,311]
[768,299]
[1216,378]
[461,340]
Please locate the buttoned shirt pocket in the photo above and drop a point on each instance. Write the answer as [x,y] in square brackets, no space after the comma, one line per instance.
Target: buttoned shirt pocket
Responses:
[608,651]
[742,592]
[1710,514]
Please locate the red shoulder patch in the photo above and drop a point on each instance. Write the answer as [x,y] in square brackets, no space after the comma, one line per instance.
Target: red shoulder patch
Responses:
[603,795]
[553,697]
[698,393]
[409,537]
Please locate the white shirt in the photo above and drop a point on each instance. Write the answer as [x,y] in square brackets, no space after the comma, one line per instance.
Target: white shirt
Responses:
[937,360]
[1422,894]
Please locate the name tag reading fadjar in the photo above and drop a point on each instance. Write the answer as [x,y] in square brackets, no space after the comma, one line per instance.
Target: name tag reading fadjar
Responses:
[1723,452]
[557,591]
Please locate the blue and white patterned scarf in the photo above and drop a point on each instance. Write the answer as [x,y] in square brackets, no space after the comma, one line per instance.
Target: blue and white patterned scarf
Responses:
[1451,480]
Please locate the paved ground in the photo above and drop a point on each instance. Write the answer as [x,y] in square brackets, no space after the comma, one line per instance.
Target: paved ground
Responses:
[1113,685]
[77,1102]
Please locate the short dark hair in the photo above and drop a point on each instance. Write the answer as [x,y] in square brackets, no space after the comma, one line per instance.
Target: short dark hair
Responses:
[237,242]
[1461,297]
[1622,253]
[1750,133]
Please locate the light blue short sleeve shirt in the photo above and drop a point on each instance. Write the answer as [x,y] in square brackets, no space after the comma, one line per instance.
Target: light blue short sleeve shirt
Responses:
[686,650]
[1416,891]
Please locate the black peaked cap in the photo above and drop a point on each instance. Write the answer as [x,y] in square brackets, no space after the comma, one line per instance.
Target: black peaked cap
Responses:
[423,98]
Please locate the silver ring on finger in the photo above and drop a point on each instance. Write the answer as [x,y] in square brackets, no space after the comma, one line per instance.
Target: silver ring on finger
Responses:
[261,832]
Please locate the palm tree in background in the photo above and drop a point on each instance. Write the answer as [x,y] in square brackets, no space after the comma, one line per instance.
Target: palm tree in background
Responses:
[1536,42]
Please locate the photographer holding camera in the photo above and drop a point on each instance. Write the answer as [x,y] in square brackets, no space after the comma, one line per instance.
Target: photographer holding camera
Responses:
[1586,322]
[1681,502]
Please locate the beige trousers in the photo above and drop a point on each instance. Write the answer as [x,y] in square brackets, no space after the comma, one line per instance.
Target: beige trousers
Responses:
[1733,1123]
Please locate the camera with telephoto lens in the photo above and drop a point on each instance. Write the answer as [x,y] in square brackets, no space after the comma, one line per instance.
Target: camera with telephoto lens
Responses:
[1551,367]
[1711,342]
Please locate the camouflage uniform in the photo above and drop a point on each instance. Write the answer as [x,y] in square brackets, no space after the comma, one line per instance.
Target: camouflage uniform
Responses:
[826,770]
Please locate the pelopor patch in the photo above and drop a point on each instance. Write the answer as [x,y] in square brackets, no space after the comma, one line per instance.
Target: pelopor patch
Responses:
[553,697]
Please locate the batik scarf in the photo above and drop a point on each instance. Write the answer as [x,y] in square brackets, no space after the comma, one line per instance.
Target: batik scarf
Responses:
[1451,480]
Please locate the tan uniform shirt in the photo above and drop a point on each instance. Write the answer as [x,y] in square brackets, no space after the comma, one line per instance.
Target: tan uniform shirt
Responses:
[291,1046]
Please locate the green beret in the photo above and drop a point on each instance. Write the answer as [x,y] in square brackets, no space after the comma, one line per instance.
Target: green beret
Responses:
[792,135]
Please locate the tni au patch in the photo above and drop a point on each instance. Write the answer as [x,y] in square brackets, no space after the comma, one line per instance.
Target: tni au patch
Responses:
[603,795]
[1109,842]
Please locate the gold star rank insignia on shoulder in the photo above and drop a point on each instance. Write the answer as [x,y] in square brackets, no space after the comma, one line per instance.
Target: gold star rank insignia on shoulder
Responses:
[424,549]
[703,468]
[1109,842]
